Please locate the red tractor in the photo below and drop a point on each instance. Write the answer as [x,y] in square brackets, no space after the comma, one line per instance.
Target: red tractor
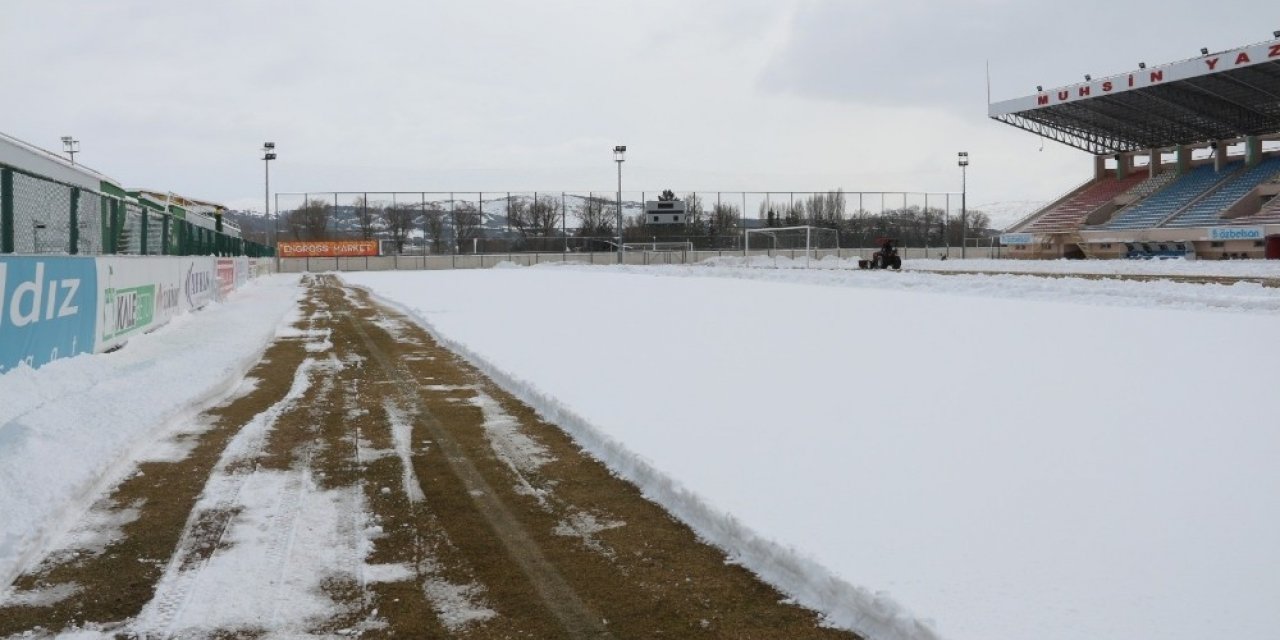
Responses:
[886,258]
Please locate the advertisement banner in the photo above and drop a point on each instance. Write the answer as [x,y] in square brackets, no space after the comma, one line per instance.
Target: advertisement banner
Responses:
[242,271]
[134,296]
[1222,234]
[226,268]
[1017,238]
[47,308]
[328,249]
[198,276]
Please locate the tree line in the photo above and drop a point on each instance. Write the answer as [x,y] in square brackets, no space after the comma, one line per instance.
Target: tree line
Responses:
[541,223]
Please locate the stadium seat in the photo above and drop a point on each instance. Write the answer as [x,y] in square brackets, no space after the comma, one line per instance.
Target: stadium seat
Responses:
[1073,211]
[1208,211]
[1168,201]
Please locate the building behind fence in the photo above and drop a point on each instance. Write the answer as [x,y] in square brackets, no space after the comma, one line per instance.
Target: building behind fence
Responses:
[50,206]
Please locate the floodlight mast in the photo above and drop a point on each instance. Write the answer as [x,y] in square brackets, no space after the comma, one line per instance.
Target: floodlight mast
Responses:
[71,146]
[964,217]
[619,156]
[269,154]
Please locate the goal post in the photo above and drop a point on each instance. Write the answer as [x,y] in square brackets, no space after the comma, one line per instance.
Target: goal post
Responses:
[808,239]
[684,245]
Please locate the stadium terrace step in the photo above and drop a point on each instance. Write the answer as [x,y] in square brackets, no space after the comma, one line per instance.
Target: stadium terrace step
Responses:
[1208,211]
[1168,201]
[1068,215]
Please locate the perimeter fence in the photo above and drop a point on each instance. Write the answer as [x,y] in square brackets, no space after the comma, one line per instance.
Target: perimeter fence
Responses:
[494,222]
[39,215]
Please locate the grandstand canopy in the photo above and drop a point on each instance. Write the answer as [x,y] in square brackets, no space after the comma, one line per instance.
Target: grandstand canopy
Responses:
[1217,96]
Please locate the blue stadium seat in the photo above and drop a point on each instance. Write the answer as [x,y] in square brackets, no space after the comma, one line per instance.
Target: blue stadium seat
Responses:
[1208,212]
[1164,203]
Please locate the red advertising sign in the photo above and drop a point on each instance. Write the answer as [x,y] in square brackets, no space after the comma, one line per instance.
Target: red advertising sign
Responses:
[328,249]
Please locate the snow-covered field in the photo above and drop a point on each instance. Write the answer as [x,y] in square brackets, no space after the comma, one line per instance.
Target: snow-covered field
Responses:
[71,428]
[984,457]
[914,454]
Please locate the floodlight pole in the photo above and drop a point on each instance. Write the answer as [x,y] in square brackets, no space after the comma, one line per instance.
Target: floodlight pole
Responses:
[71,146]
[619,153]
[964,217]
[269,154]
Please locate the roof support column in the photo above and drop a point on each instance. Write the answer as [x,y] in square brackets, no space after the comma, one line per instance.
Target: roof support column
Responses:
[1153,164]
[1219,154]
[1123,162]
[1099,167]
[1252,150]
[1184,159]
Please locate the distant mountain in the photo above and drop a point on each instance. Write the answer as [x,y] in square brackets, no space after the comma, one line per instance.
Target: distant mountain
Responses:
[1008,212]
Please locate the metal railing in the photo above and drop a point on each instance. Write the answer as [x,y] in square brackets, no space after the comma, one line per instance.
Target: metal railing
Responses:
[39,215]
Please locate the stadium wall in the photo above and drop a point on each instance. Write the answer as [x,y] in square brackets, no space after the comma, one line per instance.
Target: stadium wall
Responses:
[58,307]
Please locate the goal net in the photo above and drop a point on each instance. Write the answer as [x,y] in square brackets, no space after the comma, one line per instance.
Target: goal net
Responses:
[659,246]
[800,244]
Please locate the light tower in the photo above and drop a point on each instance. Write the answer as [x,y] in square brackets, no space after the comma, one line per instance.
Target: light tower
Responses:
[619,156]
[964,217]
[70,146]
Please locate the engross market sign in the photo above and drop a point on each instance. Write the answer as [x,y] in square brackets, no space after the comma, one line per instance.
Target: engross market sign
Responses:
[328,249]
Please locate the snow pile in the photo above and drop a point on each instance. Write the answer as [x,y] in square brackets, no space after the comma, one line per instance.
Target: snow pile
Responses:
[72,427]
[1002,457]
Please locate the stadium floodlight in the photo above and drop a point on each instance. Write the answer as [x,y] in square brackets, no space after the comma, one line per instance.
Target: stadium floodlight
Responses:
[619,156]
[1275,34]
[1087,77]
[269,154]
[964,213]
[1204,51]
[1142,65]
[70,146]
[1039,88]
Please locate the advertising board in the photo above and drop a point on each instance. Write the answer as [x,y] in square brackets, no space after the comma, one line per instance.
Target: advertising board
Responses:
[328,249]
[1222,234]
[226,271]
[1017,238]
[47,308]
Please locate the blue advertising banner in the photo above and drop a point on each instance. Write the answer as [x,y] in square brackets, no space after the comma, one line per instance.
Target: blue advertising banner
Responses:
[48,308]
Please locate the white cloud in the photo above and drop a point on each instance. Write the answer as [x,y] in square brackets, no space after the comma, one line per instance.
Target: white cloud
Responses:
[494,95]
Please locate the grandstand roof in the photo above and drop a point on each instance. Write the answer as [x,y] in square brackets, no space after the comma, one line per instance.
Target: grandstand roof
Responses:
[1216,96]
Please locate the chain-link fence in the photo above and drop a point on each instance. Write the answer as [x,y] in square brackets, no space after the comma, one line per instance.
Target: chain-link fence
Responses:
[43,216]
[426,223]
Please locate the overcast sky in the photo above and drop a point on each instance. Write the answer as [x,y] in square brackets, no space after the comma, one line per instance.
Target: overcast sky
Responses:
[485,95]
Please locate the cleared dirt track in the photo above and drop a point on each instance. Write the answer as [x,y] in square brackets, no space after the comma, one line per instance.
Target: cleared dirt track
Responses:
[370,483]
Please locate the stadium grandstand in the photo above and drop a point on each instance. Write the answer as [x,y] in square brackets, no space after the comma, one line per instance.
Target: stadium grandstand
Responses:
[1186,160]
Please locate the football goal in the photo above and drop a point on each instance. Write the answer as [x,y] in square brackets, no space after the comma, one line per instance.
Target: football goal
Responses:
[792,242]
[659,246]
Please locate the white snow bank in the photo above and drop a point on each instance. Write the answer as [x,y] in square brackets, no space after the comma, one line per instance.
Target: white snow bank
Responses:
[1173,267]
[1006,457]
[70,428]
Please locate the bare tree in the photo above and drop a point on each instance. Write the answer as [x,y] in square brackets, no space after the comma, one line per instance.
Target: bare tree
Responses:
[310,221]
[398,220]
[433,227]
[595,218]
[366,215]
[725,219]
[466,224]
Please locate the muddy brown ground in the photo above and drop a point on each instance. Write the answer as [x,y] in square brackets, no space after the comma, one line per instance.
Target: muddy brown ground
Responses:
[501,509]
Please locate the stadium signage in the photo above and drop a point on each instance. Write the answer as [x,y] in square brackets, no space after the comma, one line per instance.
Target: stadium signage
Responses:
[1017,238]
[329,249]
[46,309]
[1219,234]
[1204,65]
